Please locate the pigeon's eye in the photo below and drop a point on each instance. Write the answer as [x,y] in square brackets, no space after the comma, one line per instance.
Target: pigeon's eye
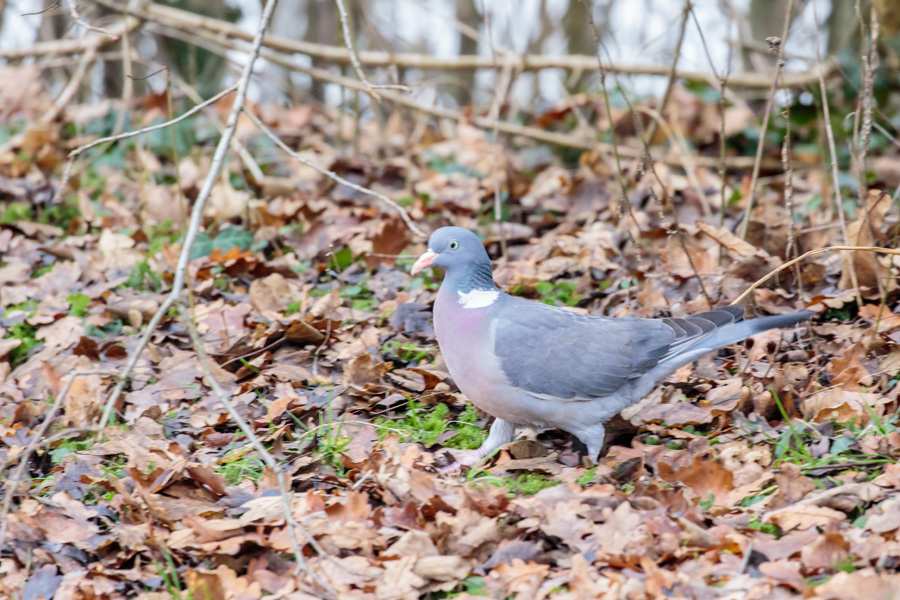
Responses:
[453,245]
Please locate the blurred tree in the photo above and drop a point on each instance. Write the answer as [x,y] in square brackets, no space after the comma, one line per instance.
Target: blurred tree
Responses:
[580,36]
[291,20]
[202,69]
[888,12]
[466,12]
[322,26]
[766,19]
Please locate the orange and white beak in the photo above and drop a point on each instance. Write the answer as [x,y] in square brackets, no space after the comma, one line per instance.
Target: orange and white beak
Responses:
[423,262]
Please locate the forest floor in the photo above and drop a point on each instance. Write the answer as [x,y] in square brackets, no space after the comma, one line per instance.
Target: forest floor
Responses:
[768,470]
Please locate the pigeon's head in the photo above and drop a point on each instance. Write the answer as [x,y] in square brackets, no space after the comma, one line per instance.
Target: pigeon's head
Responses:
[452,249]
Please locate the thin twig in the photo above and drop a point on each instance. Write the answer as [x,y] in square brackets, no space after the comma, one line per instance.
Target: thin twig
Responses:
[863,116]
[670,83]
[787,160]
[236,145]
[285,489]
[60,47]
[196,213]
[790,263]
[770,102]
[675,230]
[334,176]
[839,203]
[53,6]
[500,91]
[73,12]
[348,41]
[24,456]
[623,203]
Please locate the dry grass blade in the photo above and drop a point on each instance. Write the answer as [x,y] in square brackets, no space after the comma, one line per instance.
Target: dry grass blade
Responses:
[806,255]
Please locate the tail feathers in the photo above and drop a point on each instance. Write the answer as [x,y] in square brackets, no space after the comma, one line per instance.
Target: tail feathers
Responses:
[726,335]
[740,331]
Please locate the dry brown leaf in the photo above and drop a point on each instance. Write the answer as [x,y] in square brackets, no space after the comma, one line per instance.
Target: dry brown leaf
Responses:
[803,517]
[270,294]
[729,240]
[860,233]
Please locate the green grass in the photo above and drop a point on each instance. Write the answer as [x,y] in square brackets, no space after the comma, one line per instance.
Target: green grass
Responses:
[292,308]
[237,471]
[425,426]
[768,528]
[409,352]
[23,332]
[555,293]
[587,477]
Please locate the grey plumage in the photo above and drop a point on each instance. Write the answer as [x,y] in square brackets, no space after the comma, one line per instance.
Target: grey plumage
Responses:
[529,364]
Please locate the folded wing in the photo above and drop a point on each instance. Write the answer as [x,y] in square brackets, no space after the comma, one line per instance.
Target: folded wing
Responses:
[569,356]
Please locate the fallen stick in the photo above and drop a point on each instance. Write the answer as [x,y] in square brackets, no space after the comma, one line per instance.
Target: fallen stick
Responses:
[58,47]
[192,21]
[209,42]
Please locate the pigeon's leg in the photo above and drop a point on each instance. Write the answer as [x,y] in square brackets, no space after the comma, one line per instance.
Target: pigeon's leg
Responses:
[592,437]
[502,432]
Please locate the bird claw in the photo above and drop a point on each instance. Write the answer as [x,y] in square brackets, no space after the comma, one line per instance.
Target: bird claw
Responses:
[451,468]
[463,459]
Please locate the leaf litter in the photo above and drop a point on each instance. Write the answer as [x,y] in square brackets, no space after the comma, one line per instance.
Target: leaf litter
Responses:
[768,470]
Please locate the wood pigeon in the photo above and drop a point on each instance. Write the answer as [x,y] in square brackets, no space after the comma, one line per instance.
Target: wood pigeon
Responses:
[533,365]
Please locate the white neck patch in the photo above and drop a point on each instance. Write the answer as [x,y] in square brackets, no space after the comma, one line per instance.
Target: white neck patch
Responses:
[478,298]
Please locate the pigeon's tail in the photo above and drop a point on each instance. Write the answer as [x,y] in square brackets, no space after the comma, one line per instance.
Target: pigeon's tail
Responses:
[726,334]
[736,332]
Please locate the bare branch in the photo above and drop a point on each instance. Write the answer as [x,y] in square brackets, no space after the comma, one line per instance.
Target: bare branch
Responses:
[217,44]
[192,22]
[73,12]
[838,201]
[57,47]
[348,41]
[74,154]
[284,487]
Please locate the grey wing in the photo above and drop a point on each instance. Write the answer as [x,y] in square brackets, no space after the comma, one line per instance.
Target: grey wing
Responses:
[569,356]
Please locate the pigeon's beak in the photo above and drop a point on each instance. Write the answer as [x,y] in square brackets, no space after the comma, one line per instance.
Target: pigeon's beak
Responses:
[424,262]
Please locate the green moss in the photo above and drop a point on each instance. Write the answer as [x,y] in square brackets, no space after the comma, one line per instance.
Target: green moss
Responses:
[79,303]
[409,352]
[16,211]
[527,484]
[143,277]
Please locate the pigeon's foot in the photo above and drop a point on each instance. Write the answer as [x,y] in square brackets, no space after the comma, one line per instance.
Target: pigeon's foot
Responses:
[502,432]
[464,458]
